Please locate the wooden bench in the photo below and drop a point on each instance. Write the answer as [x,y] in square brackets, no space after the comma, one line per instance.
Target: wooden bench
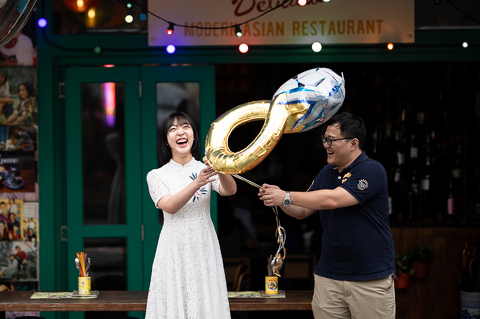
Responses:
[137,301]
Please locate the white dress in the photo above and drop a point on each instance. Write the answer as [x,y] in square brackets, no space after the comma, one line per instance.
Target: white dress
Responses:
[188,279]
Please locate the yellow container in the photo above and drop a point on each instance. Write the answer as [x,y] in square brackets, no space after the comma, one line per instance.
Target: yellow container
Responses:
[84,285]
[271,285]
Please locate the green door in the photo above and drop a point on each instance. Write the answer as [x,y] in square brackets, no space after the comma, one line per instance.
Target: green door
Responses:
[103,147]
[112,116]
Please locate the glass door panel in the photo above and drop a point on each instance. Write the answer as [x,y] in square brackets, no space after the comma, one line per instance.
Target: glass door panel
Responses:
[110,254]
[103,153]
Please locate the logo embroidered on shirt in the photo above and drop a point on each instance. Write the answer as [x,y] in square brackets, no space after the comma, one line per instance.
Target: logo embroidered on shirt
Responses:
[362,184]
[345,177]
[201,191]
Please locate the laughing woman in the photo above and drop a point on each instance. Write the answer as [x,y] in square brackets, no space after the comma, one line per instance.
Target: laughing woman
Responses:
[188,279]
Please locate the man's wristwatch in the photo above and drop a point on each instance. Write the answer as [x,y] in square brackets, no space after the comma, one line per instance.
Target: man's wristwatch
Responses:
[286,200]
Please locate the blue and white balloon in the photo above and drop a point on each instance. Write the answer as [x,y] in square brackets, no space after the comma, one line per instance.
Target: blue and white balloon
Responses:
[320,90]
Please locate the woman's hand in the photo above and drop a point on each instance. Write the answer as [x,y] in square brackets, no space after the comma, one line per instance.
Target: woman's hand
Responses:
[228,186]
[206,176]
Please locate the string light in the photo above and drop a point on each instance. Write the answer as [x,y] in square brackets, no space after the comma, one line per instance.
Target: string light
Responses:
[302,2]
[390,46]
[42,22]
[170,49]
[238,31]
[128,19]
[316,46]
[170,28]
[243,48]
[465,44]
[172,24]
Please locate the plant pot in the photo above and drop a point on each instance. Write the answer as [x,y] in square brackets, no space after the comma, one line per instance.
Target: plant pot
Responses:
[421,268]
[402,281]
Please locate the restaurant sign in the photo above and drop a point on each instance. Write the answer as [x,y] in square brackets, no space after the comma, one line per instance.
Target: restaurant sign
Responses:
[208,22]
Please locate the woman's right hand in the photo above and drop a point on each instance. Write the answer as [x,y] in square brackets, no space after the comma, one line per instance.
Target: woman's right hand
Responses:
[206,176]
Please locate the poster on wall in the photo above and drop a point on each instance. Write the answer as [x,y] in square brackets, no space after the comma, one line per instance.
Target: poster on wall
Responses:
[21,50]
[19,221]
[18,173]
[18,133]
[19,245]
[18,242]
[18,96]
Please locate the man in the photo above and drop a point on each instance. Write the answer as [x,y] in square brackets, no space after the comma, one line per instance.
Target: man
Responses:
[20,254]
[354,277]
[18,51]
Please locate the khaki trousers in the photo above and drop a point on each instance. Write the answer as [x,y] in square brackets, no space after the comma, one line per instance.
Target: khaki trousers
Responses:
[336,299]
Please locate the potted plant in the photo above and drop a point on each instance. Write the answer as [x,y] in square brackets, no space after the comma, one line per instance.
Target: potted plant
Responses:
[403,269]
[420,260]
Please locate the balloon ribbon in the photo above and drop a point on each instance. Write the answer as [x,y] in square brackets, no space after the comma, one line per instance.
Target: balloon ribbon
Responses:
[280,233]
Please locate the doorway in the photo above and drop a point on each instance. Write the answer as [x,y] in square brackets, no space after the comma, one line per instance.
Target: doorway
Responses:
[112,116]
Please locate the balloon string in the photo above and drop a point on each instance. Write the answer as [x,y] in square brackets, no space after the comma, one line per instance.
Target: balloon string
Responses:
[280,233]
[248,181]
[281,238]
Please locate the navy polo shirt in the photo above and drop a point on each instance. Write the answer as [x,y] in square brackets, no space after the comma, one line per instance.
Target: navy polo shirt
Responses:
[357,243]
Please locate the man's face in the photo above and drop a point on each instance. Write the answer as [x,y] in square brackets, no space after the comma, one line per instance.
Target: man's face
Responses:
[337,153]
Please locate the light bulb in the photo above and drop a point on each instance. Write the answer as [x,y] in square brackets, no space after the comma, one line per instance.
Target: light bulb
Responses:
[42,22]
[171,49]
[316,46]
[243,48]
[170,29]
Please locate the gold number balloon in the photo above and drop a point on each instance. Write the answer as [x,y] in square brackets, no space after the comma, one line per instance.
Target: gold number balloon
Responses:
[300,104]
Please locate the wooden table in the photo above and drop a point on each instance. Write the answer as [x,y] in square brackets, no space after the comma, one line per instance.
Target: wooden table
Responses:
[137,301]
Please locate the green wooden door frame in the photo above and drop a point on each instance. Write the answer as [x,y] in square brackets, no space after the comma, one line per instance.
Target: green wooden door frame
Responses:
[205,75]
[77,231]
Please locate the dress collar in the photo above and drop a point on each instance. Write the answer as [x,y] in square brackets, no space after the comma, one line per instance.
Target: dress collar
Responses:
[192,161]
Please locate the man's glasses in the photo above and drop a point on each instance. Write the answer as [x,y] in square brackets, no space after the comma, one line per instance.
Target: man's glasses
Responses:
[329,140]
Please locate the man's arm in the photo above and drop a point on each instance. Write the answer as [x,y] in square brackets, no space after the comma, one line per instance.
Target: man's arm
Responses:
[305,204]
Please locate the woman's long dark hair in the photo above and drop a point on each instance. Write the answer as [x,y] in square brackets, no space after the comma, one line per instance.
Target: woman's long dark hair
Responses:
[29,87]
[164,151]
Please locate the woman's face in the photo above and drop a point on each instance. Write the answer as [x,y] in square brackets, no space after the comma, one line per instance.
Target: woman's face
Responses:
[22,91]
[180,138]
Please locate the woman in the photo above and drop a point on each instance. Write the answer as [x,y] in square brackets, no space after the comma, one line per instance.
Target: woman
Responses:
[26,113]
[188,279]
